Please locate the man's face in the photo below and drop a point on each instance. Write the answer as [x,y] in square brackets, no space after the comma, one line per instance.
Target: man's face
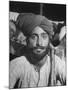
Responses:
[38,41]
[12,29]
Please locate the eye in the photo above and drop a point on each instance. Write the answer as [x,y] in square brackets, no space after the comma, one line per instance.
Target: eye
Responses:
[44,35]
[33,37]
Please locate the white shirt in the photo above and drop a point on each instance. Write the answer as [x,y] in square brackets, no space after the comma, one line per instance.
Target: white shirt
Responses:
[28,76]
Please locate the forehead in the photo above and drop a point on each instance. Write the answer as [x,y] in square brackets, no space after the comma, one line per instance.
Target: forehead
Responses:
[38,30]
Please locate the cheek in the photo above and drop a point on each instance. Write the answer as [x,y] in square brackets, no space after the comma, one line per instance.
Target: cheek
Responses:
[32,43]
[45,42]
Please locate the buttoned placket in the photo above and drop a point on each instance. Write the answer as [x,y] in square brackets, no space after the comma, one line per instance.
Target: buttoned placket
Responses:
[37,69]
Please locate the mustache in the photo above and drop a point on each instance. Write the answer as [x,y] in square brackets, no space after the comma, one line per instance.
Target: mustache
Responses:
[39,47]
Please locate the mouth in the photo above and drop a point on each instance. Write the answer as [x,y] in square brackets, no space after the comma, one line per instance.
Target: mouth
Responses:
[39,51]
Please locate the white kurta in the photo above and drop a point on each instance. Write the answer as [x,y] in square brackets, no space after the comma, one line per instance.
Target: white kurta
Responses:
[28,75]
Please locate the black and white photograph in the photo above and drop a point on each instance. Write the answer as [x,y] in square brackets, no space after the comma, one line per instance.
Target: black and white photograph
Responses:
[37,45]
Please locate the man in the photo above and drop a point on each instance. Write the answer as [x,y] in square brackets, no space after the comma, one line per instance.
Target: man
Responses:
[34,68]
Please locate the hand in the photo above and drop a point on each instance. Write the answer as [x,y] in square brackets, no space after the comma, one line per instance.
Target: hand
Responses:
[58,83]
[62,33]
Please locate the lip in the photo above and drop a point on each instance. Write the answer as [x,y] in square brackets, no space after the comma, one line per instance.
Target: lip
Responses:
[39,50]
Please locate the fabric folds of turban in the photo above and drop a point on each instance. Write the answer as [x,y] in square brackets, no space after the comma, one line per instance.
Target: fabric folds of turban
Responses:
[27,22]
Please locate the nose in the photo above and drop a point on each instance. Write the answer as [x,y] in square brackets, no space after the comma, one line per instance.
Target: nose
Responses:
[39,41]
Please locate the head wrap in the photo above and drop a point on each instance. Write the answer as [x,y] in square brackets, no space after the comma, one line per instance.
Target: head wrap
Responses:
[28,21]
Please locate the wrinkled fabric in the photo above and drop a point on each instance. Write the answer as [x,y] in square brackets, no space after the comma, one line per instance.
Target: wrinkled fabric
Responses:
[28,21]
[28,76]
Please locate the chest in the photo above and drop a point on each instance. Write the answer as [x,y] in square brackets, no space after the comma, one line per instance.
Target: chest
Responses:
[35,78]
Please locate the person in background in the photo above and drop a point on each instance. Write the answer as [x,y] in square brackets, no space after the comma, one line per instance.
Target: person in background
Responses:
[34,68]
[12,33]
[59,39]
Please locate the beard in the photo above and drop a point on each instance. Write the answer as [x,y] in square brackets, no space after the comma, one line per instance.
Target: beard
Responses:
[34,56]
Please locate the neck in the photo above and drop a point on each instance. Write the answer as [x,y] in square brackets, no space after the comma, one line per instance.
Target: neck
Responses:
[41,62]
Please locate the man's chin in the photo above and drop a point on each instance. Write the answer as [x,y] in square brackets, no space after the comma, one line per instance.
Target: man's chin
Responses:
[39,55]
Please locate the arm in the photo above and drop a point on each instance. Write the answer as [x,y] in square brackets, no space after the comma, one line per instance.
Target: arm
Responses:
[12,74]
[15,71]
[62,33]
[60,72]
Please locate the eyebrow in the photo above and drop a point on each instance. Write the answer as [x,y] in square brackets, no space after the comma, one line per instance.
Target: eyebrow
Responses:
[44,33]
[34,34]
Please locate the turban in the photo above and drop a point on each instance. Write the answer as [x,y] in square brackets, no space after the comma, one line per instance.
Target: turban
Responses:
[28,21]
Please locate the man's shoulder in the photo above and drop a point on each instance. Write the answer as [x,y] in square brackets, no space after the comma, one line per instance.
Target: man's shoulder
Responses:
[56,58]
[60,65]
[19,61]
[59,60]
